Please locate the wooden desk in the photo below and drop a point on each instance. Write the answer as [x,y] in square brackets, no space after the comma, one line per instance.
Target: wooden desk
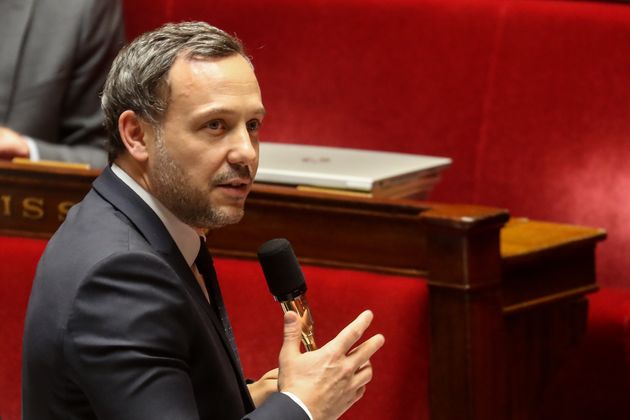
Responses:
[506,297]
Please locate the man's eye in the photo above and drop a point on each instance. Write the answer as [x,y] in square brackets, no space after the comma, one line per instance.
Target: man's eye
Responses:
[215,125]
[254,125]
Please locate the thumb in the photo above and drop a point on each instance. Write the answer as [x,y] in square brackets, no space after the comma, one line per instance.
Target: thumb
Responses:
[292,335]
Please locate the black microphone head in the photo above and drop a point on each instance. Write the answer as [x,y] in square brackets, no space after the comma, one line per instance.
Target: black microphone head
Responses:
[282,270]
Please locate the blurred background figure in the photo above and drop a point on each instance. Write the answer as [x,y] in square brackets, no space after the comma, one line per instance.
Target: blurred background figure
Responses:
[55,55]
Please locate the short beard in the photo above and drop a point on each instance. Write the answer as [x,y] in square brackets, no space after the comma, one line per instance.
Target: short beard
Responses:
[172,186]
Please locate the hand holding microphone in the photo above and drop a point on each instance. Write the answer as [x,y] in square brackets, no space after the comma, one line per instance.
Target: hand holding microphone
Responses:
[328,380]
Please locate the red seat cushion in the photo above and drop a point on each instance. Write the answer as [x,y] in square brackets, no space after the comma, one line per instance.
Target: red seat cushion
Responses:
[336,297]
[17,269]
[399,387]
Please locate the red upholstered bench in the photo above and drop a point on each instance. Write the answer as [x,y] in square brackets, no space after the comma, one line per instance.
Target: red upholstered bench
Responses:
[18,259]
[399,389]
[336,296]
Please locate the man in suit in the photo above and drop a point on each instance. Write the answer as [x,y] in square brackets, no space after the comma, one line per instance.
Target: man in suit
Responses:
[125,319]
[55,57]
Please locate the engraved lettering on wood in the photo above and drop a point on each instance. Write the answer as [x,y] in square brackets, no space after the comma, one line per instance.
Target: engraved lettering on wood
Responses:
[62,209]
[6,205]
[33,208]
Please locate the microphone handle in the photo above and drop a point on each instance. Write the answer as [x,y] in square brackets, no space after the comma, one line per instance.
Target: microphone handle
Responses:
[300,306]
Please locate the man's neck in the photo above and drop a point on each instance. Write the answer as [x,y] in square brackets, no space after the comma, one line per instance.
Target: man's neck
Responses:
[136,170]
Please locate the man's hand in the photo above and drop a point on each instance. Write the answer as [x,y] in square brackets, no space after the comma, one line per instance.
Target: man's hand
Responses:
[264,387]
[328,380]
[12,144]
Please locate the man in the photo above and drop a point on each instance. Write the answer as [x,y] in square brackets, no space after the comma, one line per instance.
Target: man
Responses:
[55,57]
[125,320]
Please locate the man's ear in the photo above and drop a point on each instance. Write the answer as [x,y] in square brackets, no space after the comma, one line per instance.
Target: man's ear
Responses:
[135,133]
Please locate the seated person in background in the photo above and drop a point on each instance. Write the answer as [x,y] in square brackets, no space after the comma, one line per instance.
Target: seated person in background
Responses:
[54,59]
[126,319]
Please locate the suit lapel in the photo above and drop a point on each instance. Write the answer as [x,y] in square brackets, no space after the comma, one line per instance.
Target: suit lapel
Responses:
[123,198]
[13,33]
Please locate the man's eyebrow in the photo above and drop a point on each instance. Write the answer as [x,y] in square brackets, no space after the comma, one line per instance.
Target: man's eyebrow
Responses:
[260,111]
[229,111]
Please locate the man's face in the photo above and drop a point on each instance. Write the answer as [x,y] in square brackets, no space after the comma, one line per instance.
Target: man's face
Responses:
[205,155]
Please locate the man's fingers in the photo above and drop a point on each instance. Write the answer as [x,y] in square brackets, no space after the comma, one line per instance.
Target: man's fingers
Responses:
[361,354]
[362,376]
[272,374]
[365,365]
[353,332]
[292,335]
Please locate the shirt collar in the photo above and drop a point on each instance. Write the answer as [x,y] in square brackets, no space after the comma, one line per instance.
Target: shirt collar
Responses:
[186,238]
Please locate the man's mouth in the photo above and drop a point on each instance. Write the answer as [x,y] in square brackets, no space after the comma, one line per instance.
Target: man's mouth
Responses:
[236,187]
[236,183]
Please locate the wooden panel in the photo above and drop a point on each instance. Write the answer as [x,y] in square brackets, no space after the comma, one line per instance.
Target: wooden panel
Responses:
[35,199]
[546,262]
[467,336]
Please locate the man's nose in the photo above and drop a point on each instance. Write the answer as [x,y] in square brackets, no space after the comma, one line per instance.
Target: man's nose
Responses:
[243,150]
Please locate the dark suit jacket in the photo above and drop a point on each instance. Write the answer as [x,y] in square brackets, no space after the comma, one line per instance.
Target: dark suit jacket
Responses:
[55,55]
[118,328]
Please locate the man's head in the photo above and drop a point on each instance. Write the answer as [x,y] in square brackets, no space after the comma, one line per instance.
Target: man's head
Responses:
[183,109]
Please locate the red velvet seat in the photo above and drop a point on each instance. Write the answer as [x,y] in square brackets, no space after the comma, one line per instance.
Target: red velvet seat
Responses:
[336,296]
[18,259]
[399,388]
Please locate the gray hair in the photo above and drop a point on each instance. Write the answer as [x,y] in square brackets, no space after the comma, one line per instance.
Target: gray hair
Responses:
[138,79]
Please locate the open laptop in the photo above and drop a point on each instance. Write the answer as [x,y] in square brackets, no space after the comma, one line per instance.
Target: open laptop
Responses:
[346,169]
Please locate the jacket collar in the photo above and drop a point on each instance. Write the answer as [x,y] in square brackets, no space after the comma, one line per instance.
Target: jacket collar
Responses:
[124,199]
[186,238]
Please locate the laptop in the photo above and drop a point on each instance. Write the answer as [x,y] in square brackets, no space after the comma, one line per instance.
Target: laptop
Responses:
[375,172]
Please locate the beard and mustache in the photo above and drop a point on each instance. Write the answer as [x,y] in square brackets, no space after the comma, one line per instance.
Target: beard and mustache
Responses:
[173,187]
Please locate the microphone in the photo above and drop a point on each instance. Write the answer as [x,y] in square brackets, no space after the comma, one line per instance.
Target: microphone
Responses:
[285,281]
